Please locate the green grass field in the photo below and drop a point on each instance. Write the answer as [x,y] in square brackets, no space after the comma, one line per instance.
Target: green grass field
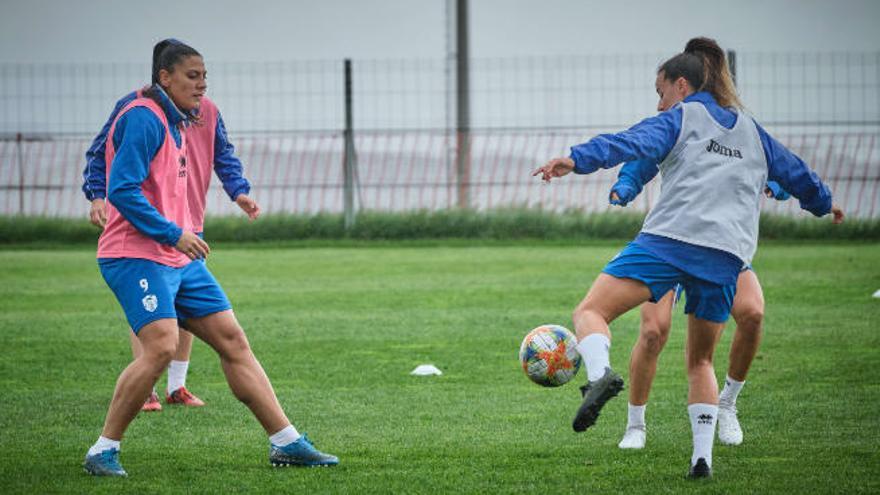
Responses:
[339,329]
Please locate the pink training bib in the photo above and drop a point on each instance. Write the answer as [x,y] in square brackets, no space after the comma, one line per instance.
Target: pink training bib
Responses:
[200,155]
[165,188]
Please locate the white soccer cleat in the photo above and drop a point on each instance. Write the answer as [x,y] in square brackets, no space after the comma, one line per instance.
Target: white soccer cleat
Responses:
[634,438]
[729,431]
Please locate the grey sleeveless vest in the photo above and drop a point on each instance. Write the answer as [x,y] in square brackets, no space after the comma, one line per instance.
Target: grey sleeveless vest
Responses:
[713,179]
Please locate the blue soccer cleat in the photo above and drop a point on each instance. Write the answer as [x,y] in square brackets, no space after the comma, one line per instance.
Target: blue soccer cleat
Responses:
[104,463]
[300,453]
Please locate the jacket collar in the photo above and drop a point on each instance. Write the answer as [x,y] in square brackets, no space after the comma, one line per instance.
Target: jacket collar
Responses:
[703,97]
[175,115]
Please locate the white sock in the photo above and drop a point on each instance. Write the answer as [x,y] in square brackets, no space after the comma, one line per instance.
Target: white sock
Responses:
[636,416]
[177,375]
[594,350]
[703,419]
[731,391]
[286,436]
[103,444]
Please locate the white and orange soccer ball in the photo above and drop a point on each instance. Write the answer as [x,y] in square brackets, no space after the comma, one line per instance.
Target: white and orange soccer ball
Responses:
[549,356]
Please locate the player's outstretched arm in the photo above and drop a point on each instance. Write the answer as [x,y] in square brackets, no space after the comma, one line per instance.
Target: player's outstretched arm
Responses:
[795,177]
[837,215]
[556,167]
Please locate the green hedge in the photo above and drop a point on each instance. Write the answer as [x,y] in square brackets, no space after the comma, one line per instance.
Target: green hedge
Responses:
[463,224]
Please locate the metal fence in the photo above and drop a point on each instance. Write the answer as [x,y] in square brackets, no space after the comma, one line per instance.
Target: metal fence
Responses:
[286,120]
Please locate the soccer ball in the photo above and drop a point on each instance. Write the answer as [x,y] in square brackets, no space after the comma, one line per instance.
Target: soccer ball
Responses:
[549,356]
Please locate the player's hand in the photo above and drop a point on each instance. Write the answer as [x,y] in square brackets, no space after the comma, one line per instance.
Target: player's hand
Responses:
[768,192]
[614,198]
[248,205]
[838,215]
[98,213]
[193,246]
[556,167]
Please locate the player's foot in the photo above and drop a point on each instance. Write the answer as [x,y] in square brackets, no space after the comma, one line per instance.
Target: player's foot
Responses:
[729,431]
[105,463]
[699,470]
[152,404]
[634,438]
[300,453]
[183,396]
[596,394]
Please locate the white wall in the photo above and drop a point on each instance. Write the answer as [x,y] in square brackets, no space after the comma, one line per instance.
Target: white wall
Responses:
[44,31]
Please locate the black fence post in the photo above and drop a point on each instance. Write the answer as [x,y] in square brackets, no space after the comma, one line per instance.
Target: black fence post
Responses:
[20,154]
[463,119]
[348,170]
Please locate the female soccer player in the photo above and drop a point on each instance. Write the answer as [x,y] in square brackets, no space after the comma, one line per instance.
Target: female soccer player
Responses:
[656,320]
[715,163]
[207,145]
[146,255]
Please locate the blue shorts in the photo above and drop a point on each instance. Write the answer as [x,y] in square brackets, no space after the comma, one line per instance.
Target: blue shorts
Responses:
[149,291]
[704,299]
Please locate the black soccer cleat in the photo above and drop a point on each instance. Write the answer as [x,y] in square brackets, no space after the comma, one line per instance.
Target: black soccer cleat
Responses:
[699,470]
[596,394]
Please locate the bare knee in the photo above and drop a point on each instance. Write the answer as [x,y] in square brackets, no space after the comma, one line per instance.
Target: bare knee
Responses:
[652,339]
[234,346]
[159,354]
[749,320]
[588,310]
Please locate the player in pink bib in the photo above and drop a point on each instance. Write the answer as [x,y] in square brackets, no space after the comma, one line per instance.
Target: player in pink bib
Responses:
[145,255]
[207,147]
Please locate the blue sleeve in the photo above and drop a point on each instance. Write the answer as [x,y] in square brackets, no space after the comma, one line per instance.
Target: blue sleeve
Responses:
[793,175]
[632,178]
[651,139]
[138,137]
[227,166]
[779,194]
[95,172]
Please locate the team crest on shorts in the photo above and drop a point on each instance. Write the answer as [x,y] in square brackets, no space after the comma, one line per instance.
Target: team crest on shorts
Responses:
[150,302]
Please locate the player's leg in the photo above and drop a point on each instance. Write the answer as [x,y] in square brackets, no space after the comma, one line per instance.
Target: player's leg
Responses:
[208,314]
[656,320]
[632,277]
[146,291]
[152,403]
[176,391]
[251,386]
[158,343]
[608,298]
[748,312]
[702,391]
[708,308]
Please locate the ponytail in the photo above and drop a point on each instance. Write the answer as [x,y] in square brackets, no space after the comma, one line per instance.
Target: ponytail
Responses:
[717,80]
[157,53]
[704,66]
